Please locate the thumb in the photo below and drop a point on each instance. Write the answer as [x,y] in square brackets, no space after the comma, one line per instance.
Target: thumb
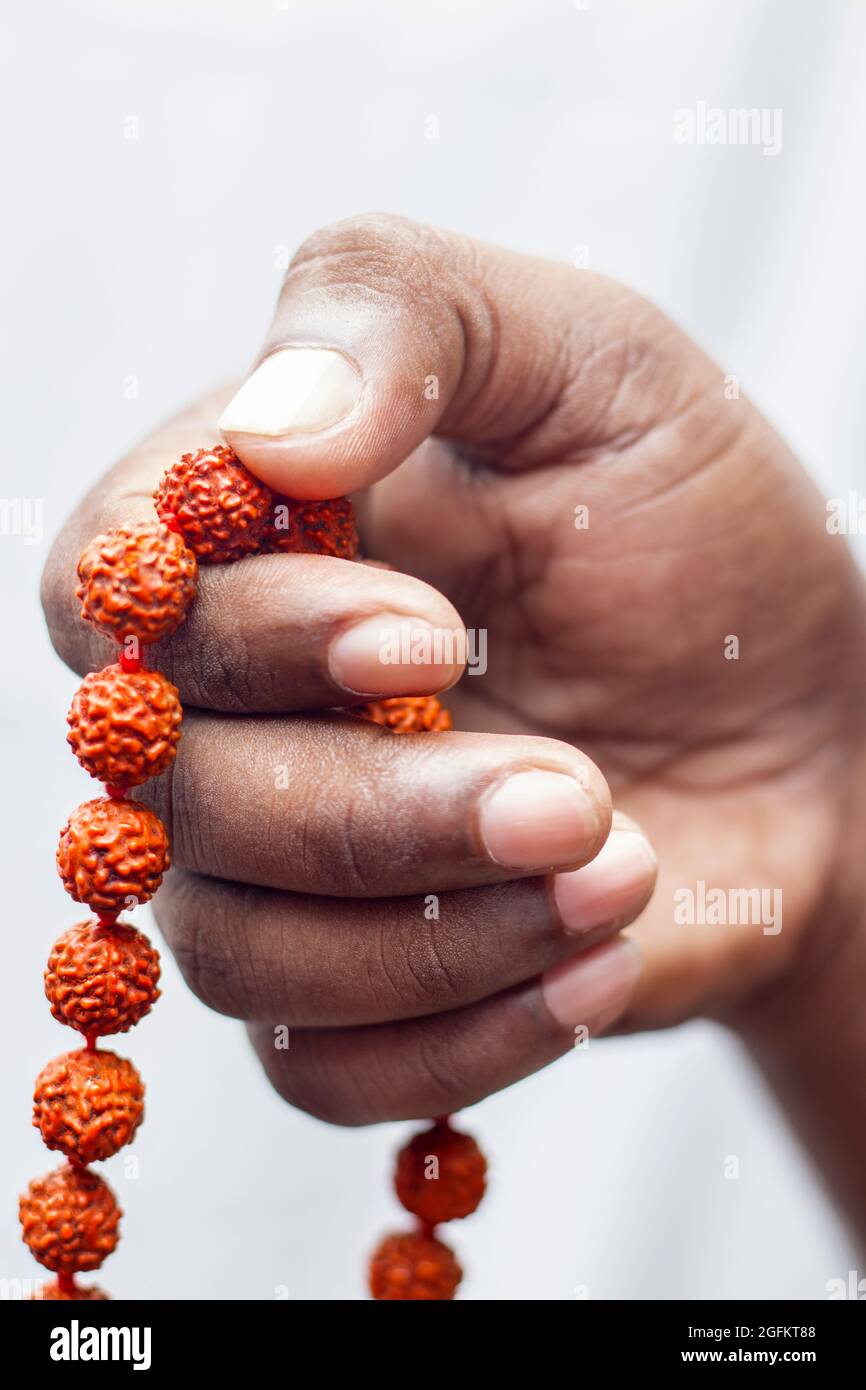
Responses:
[387,331]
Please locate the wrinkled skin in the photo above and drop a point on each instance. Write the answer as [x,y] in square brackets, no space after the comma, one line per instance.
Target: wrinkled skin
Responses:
[701,639]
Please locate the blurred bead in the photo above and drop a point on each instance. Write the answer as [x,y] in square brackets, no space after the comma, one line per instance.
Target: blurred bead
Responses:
[137,581]
[440,1175]
[407,714]
[216,504]
[69,1220]
[112,854]
[102,980]
[124,727]
[413,1267]
[312,528]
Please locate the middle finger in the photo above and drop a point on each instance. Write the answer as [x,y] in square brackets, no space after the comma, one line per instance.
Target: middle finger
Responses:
[259,955]
[334,805]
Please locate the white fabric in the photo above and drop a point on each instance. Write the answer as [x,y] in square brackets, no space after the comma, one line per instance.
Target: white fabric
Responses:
[155,260]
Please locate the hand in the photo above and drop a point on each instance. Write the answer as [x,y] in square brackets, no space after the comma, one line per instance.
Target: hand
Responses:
[382,895]
[702,638]
[544,390]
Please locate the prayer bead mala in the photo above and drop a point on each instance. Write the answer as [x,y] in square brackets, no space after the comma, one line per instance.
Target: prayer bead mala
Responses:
[136,585]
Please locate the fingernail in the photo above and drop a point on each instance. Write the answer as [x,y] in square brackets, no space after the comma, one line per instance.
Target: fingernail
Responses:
[393,654]
[610,886]
[538,819]
[295,390]
[594,988]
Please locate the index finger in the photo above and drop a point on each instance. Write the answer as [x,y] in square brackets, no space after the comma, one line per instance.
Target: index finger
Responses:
[269,633]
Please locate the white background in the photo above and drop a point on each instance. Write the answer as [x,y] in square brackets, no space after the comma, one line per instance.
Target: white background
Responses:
[156,257]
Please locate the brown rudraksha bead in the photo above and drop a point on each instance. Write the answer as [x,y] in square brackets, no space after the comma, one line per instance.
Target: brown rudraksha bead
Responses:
[69,1219]
[216,504]
[408,714]
[112,854]
[440,1175]
[102,979]
[413,1267]
[124,726]
[312,528]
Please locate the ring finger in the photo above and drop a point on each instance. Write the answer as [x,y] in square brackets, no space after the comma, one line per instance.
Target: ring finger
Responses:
[258,954]
[433,1066]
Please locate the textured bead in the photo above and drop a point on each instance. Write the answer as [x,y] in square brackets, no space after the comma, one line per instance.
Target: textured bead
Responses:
[408,714]
[112,854]
[137,581]
[69,1220]
[124,727]
[88,1104]
[102,980]
[217,505]
[53,1292]
[313,528]
[413,1267]
[440,1175]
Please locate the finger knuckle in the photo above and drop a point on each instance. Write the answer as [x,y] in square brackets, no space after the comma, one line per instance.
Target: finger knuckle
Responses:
[203,951]
[382,251]
[210,657]
[418,968]
[324,1098]
[366,234]
[332,836]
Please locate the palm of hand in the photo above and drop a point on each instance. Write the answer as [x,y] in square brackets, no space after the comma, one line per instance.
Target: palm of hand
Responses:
[676,608]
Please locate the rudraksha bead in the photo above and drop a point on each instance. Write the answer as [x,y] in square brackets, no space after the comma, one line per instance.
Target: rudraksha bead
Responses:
[217,505]
[312,528]
[111,854]
[137,581]
[102,979]
[70,1219]
[124,726]
[440,1175]
[88,1104]
[408,714]
[413,1267]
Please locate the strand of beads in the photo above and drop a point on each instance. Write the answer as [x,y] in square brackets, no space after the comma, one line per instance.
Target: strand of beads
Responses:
[440,1176]
[136,586]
